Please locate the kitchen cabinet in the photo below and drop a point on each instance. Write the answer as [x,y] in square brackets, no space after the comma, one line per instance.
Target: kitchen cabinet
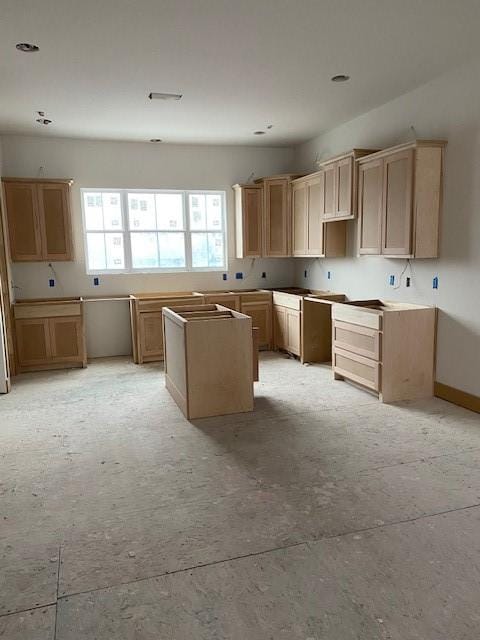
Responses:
[399,200]
[146,321]
[261,314]
[49,334]
[311,237]
[340,179]
[209,360]
[301,326]
[248,220]
[38,219]
[386,347]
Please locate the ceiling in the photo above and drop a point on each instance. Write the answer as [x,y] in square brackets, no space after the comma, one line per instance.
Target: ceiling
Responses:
[240,64]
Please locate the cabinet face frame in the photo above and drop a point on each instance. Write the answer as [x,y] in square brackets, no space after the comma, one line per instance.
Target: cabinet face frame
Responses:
[300,217]
[405,246]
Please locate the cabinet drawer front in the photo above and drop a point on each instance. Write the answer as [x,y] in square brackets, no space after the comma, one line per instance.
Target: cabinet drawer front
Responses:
[287,300]
[157,305]
[361,340]
[46,310]
[357,315]
[357,368]
[227,300]
[255,297]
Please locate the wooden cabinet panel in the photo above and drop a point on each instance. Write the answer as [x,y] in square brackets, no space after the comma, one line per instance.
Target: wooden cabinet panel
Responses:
[294,331]
[54,211]
[226,300]
[361,340]
[249,220]
[370,186]
[343,187]
[397,203]
[33,341]
[315,206]
[23,221]
[357,368]
[300,230]
[280,327]
[261,314]
[151,335]
[277,226]
[66,336]
[330,204]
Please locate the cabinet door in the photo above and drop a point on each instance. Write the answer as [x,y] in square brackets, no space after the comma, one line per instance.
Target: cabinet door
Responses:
[23,221]
[299,219]
[280,330]
[343,188]
[33,341]
[370,181]
[293,331]
[277,227]
[330,200]
[261,314]
[55,225]
[315,207]
[66,339]
[251,222]
[397,203]
[151,336]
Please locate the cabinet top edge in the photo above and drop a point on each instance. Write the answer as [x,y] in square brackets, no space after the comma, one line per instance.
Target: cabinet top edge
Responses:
[414,144]
[40,301]
[353,153]
[68,181]
[246,185]
[279,176]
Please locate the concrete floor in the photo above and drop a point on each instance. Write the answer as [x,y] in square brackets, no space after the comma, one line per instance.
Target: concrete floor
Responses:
[323,515]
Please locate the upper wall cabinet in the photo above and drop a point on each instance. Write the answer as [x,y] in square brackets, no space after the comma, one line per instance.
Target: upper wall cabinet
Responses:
[38,216]
[399,200]
[263,217]
[311,237]
[340,182]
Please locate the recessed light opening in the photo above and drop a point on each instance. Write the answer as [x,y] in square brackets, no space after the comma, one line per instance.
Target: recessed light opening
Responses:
[44,121]
[155,140]
[26,47]
[340,78]
[259,133]
[165,96]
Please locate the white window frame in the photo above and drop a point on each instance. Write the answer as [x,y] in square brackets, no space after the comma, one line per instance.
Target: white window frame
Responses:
[126,231]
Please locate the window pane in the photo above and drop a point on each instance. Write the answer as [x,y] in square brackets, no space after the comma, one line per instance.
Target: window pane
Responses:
[93,207]
[198,219]
[112,211]
[96,251]
[215,250]
[144,250]
[199,250]
[141,211]
[115,252]
[169,211]
[172,250]
[214,212]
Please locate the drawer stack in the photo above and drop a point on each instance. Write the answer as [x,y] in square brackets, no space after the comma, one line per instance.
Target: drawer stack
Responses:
[386,347]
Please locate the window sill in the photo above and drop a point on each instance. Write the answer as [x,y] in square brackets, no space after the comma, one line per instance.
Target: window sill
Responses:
[121,272]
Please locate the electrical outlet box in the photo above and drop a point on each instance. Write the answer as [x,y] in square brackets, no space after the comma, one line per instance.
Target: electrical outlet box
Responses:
[239,275]
[96,281]
[51,282]
[224,276]
[391,280]
[408,281]
[264,274]
[329,275]
[435,282]
[305,273]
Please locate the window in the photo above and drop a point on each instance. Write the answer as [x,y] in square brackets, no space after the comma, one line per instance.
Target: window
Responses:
[130,230]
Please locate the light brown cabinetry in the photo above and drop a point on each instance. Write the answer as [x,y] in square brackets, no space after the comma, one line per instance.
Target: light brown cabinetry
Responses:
[249,220]
[386,347]
[311,237]
[146,321]
[399,200]
[38,216]
[340,201]
[49,334]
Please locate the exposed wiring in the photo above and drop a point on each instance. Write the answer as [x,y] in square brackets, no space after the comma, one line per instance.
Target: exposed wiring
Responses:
[407,265]
[55,276]
[250,177]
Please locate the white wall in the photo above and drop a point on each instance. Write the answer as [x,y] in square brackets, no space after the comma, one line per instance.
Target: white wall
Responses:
[137,165]
[448,108]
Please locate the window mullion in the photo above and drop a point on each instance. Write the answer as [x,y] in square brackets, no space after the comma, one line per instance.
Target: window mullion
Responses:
[188,236]
[127,244]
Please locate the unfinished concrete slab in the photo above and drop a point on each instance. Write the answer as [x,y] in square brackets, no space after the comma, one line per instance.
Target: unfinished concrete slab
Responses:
[105,468]
[36,624]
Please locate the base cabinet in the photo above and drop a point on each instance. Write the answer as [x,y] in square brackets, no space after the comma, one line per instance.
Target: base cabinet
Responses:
[287,329]
[261,314]
[49,335]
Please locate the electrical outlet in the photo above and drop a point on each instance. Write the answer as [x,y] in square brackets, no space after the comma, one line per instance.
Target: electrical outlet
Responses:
[51,282]
[239,275]
[435,282]
[96,281]
[264,274]
[391,280]
[408,281]
[224,276]
[305,273]
[329,275]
